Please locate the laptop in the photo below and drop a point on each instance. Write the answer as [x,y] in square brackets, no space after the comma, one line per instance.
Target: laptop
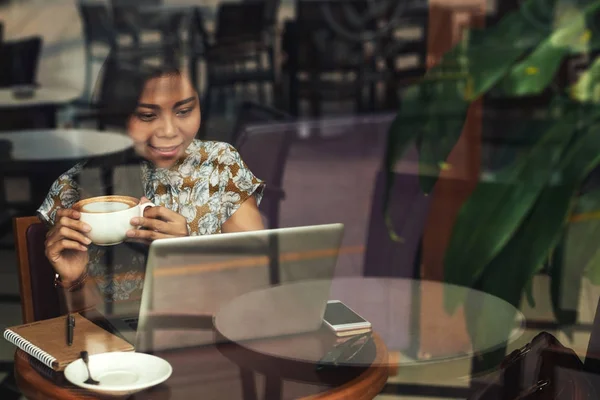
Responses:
[188,279]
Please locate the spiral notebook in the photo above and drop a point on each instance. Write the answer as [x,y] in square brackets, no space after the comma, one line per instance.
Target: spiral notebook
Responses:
[47,340]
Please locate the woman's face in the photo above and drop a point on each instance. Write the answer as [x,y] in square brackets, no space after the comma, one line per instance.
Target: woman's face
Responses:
[166,120]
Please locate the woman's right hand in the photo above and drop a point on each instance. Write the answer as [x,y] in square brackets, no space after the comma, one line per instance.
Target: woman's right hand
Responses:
[66,245]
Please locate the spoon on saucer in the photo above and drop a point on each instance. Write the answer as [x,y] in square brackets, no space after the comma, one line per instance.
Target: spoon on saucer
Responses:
[86,359]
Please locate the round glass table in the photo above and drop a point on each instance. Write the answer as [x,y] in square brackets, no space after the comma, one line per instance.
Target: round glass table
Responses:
[391,305]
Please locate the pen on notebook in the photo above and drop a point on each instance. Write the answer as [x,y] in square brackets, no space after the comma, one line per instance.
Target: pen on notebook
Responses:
[70,327]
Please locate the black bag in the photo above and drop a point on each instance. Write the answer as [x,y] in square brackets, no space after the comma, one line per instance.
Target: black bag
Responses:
[529,373]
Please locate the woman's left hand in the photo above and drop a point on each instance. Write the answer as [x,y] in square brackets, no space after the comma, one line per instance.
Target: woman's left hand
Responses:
[159,222]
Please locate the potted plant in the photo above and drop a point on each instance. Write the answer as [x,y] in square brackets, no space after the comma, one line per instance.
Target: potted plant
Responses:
[507,232]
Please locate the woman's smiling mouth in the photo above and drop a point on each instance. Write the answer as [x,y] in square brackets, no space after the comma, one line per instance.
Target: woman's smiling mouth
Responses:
[165,151]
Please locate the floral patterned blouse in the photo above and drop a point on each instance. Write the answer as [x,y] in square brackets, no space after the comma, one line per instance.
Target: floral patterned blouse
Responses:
[206,187]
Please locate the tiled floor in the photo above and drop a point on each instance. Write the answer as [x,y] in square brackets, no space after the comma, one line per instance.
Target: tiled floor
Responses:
[318,182]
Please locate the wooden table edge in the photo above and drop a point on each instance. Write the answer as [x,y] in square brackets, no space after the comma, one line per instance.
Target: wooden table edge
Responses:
[35,386]
[365,386]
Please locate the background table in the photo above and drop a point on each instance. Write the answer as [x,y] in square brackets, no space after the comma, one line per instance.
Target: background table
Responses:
[43,155]
[45,103]
[43,96]
[54,145]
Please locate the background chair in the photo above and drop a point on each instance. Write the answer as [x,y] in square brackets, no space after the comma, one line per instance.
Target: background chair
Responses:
[125,18]
[103,26]
[98,29]
[6,212]
[408,208]
[240,54]
[39,298]
[265,151]
[320,64]
[134,18]
[404,55]
[19,61]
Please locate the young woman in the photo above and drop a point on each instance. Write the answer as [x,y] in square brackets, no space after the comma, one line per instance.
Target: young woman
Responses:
[198,187]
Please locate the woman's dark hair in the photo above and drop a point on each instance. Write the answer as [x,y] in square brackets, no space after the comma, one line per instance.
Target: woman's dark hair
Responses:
[121,83]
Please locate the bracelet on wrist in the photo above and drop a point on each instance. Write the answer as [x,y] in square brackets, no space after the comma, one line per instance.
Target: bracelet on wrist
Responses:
[72,286]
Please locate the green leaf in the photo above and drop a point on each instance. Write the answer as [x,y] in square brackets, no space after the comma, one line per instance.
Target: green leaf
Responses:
[581,253]
[583,155]
[565,281]
[463,74]
[583,231]
[529,293]
[491,55]
[575,28]
[532,75]
[446,117]
[570,36]
[495,210]
[405,128]
[592,271]
[507,275]
[520,260]
[517,263]
[581,242]
[587,87]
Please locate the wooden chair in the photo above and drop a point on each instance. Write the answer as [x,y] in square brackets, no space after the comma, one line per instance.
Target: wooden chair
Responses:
[39,298]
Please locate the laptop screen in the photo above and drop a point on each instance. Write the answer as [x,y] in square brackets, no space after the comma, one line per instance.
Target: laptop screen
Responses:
[195,276]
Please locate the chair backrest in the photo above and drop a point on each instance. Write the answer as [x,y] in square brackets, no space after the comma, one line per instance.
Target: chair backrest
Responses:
[408,211]
[19,61]
[318,39]
[5,154]
[135,3]
[98,24]
[271,10]
[249,113]
[396,45]
[39,298]
[241,21]
[5,149]
[265,151]
[135,16]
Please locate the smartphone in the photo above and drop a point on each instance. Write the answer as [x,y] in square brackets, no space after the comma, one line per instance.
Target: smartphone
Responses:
[344,321]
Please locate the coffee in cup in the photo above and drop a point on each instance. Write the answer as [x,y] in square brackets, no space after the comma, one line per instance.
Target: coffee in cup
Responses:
[109,217]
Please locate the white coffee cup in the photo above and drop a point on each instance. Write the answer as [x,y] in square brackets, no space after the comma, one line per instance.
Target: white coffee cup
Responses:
[110,217]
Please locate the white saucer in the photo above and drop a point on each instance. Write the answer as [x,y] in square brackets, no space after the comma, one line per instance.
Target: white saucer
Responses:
[120,373]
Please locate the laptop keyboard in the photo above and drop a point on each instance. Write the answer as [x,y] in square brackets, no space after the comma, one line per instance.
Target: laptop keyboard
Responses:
[132,322]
